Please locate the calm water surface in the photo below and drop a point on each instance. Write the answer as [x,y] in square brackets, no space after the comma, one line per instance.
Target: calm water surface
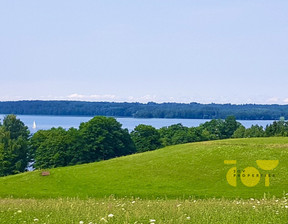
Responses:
[47,122]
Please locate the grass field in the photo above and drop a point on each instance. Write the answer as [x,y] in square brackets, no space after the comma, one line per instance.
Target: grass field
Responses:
[178,184]
[136,211]
[175,172]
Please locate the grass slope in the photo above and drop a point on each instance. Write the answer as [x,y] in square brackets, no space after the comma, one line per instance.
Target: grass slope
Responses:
[195,169]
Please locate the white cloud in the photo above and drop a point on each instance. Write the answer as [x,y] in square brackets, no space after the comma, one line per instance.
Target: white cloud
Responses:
[76,96]
[273,100]
[107,96]
[148,98]
[94,97]
[110,97]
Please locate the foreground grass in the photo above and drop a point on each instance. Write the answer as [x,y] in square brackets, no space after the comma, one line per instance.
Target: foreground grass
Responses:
[126,210]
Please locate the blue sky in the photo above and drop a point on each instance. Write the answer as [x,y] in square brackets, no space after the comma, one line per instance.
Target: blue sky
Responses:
[162,51]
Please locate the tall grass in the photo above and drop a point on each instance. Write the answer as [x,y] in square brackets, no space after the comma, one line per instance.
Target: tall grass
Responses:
[136,211]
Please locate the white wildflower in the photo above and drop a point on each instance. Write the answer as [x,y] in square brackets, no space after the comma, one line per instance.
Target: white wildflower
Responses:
[103,219]
[286,206]
[110,216]
[188,218]
[152,220]
[81,222]
[35,220]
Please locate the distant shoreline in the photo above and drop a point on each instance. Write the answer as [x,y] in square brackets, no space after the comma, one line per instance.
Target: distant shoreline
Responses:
[148,110]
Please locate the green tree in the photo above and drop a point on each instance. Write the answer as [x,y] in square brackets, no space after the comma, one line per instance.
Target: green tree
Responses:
[279,128]
[53,148]
[229,127]
[103,138]
[212,130]
[254,131]
[98,139]
[175,134]
[146,138]
[13,146]
[240,132]
[196,134]
[15,127]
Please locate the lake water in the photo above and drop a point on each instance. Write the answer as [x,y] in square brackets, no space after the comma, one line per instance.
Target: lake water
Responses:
[47,122]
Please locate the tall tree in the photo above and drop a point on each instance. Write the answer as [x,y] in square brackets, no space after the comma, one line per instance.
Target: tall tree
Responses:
[15,127]
[53,148]
[13,146]
[254,131]
[175,134]
[212,130]
[103,138]
[277,128]
[146,138]
[240,132]
[230,126]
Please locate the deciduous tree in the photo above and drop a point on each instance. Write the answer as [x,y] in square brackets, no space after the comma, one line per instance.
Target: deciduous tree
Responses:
[146,138]
[13,146]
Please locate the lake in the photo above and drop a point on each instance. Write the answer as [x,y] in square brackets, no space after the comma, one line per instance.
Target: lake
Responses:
[47,122]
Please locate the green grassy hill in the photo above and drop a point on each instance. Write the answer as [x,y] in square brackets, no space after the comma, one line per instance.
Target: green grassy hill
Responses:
[195,169]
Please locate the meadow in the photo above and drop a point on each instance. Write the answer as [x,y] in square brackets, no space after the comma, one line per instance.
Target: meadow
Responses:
[181,171]
[136,211]
[177,184]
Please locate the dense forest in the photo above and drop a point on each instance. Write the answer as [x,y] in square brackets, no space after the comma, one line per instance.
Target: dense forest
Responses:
[149,110]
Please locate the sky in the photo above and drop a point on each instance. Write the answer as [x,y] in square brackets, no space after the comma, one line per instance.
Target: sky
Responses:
[182,51]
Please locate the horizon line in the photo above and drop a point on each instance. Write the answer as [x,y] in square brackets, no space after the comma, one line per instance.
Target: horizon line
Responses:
[137,102]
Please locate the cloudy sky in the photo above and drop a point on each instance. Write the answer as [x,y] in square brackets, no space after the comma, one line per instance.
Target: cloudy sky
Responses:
[153,50]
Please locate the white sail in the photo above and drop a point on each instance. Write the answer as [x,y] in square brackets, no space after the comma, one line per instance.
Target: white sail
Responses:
[34,125]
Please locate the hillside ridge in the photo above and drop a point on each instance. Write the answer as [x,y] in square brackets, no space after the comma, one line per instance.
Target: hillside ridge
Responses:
[181,171]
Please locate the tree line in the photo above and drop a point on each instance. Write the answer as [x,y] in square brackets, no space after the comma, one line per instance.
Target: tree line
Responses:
[149,110]
[103,138]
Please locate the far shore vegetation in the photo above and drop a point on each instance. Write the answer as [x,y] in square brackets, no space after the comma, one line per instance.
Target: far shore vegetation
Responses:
[146,110]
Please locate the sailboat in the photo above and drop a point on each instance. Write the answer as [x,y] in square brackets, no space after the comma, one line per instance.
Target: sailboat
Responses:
[34,125]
